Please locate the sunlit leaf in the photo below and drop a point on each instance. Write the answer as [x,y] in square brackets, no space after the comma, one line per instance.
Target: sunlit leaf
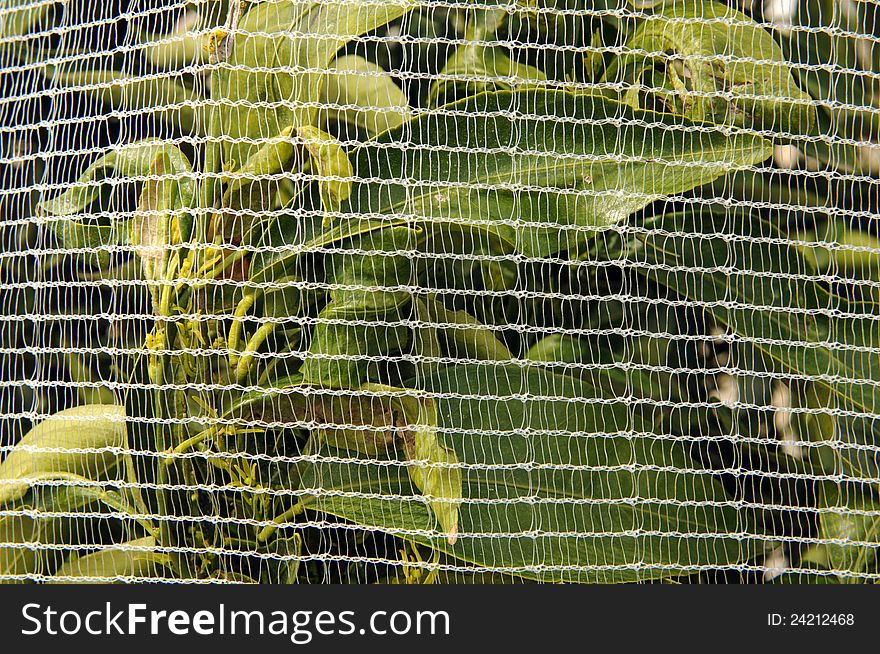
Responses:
[83,441]
[709,62]
[360,93]
[114,563]
[540,168]
[275,68]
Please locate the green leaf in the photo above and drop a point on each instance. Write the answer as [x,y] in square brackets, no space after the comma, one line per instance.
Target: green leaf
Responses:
[559,348]
[114,563]
[374,420]
[360,93]
[331,166]
[255,188]
[344,345]
[275,68]
[179,48]
[290,297]
[709,62]
[539,168]
[274,156]
[19,19]
[560,484]
[841,250]
[752,281]
[168,189]
[272,262]
[638,367]
[79,495]
[426,345]
[833,52]
[814,423]
[463,336]
[476,67]
[127,161]
[369,267]
[24,539]
[83,371]
[855,530]
[78,441]
[362,320]
[433,467]
[156,94]
[18,553]
[645,4]
[89,240]
[364,421]
[162,207]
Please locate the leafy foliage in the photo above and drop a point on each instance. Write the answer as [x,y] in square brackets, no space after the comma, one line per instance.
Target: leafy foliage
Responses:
[384,284]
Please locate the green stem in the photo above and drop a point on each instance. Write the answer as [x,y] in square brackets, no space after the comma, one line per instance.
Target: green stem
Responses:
[285,517]
[188,444]
[217,268]
[254,344]
[237,323]
[164,510]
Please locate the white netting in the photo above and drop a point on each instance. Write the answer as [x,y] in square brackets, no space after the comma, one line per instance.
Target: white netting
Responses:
[388,290]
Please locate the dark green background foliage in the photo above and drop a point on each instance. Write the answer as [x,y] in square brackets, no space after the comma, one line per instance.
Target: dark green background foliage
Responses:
[581,292]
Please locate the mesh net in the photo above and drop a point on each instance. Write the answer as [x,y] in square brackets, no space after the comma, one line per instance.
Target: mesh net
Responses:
[360,291]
